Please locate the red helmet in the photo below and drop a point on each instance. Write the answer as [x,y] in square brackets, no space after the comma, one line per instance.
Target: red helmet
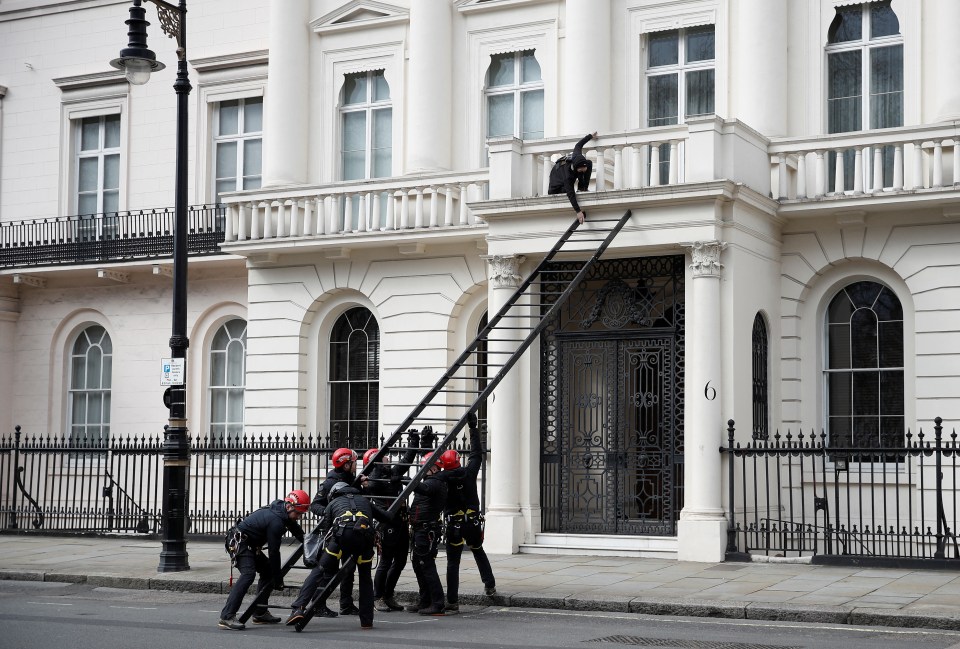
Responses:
[343,455]
[449,460]
[369,455]
[299,499]
[426,458]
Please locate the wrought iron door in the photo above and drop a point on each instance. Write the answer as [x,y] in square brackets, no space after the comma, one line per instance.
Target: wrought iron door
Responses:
[612,443]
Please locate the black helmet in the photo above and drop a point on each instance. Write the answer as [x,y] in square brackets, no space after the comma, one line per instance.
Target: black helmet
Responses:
[337,490]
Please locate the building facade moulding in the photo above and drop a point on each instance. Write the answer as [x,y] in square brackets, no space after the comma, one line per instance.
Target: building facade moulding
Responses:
[360,14]
[504,270]
[706,257]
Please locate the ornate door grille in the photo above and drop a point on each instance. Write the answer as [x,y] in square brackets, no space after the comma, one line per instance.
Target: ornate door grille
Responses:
[612,402]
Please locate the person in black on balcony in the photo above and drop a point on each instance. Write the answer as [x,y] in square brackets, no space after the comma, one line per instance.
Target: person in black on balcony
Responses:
[464,520]
[245,542]
[570,170]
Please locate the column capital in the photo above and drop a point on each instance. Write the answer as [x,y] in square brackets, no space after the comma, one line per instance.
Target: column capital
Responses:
[504,270]
[706,257]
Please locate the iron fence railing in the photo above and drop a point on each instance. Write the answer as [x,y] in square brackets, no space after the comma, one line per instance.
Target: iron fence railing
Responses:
[795,495]
[110,237]
[54,485]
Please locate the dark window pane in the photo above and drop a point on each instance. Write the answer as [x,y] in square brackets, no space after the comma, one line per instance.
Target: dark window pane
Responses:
[339,401]
[357,357]
[863,337]
[840,431]
[866,391]
[840,309]
[338,361]
[839,391]
[699,92]
[890,344]
[838,342]
[847,25]
[891,432]
[891,393]
[888,306]
[886,87]
[662,100]
[845,91]
[883,21]
[866,431]
[864,294]
[700,44]
[664,48]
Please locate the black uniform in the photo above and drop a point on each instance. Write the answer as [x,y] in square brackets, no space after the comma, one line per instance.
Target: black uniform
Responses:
[564,175]
[464,520]
[265,526]
[349,518]
[429,499]
[317,506]
[386,482]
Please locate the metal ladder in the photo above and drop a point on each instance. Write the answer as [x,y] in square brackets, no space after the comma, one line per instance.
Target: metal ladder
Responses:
[456,394]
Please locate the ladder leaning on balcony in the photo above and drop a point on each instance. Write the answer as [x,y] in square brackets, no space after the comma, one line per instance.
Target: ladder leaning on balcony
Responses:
[449,402]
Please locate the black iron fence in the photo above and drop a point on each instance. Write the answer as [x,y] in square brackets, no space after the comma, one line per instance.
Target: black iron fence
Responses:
[54,485]
[110,237]
[795,495]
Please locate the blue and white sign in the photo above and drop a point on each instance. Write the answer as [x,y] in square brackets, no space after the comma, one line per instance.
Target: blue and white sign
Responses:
[172,371]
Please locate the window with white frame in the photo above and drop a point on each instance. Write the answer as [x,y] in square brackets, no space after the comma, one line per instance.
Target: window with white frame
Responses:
[680,79]
[98,165]
[514,96]
[238,145]
[354,379]
[91,375]
[366,118]
[864,78]
[863,374]
[228,362]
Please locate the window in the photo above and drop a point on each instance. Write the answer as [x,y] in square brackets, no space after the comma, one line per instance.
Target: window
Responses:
[864,78]
[98,165]
[238,145]
[680,79]
[228,361]
[514,93]
[354,380]
[761,399]
[864,367]
[91,364]
[367,126]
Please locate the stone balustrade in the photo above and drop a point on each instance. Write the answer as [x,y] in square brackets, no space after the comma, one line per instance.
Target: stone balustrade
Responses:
[345,208]
[866,162]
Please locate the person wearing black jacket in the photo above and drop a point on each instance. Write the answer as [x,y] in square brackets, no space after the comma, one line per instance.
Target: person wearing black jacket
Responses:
[572,170]
[385,484]
[464,520]
[265,526]
[429,499]
[349,518]
[344,470]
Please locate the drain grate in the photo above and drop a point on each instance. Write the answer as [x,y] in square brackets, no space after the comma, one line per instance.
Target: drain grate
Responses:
[637,641]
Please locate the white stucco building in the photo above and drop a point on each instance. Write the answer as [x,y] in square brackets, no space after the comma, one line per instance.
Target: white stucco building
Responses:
[791,258]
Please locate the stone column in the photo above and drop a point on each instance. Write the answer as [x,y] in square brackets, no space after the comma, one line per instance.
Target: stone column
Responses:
[9,314]
[286,118]
[504,521]
[3,93]
[943,21]
[584,73]
[430,84]
[702,528]
[759,65]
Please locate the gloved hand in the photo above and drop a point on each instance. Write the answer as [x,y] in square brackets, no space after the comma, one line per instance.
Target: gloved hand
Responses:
[413,438]
[428,438]
[472,420]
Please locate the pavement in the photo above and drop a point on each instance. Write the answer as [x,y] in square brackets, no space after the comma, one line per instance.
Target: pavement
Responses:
[774,590]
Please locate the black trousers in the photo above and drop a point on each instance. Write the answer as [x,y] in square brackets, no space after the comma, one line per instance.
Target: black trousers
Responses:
[250,562]
[337,551]
[394,547]
[467,532]
[426,544]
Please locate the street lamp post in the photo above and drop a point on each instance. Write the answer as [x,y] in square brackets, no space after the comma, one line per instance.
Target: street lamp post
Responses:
[138,62]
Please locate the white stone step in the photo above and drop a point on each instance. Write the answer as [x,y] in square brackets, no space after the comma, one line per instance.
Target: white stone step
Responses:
[663,547]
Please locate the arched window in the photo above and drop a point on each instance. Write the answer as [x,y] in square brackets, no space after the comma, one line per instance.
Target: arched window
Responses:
[761,398]
[91,366]
[514,93]
[354,379]
[864,78]
[228,371]
[864,367]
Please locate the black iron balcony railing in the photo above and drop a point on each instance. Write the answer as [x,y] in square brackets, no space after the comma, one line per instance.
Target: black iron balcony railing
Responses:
[110,237]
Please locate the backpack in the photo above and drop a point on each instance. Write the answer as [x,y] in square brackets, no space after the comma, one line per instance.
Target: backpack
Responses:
[233,539]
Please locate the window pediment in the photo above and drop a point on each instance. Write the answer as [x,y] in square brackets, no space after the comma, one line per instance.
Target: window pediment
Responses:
[360,14]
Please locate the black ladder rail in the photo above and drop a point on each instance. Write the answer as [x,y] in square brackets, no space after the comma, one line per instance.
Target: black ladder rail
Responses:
[492,383]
